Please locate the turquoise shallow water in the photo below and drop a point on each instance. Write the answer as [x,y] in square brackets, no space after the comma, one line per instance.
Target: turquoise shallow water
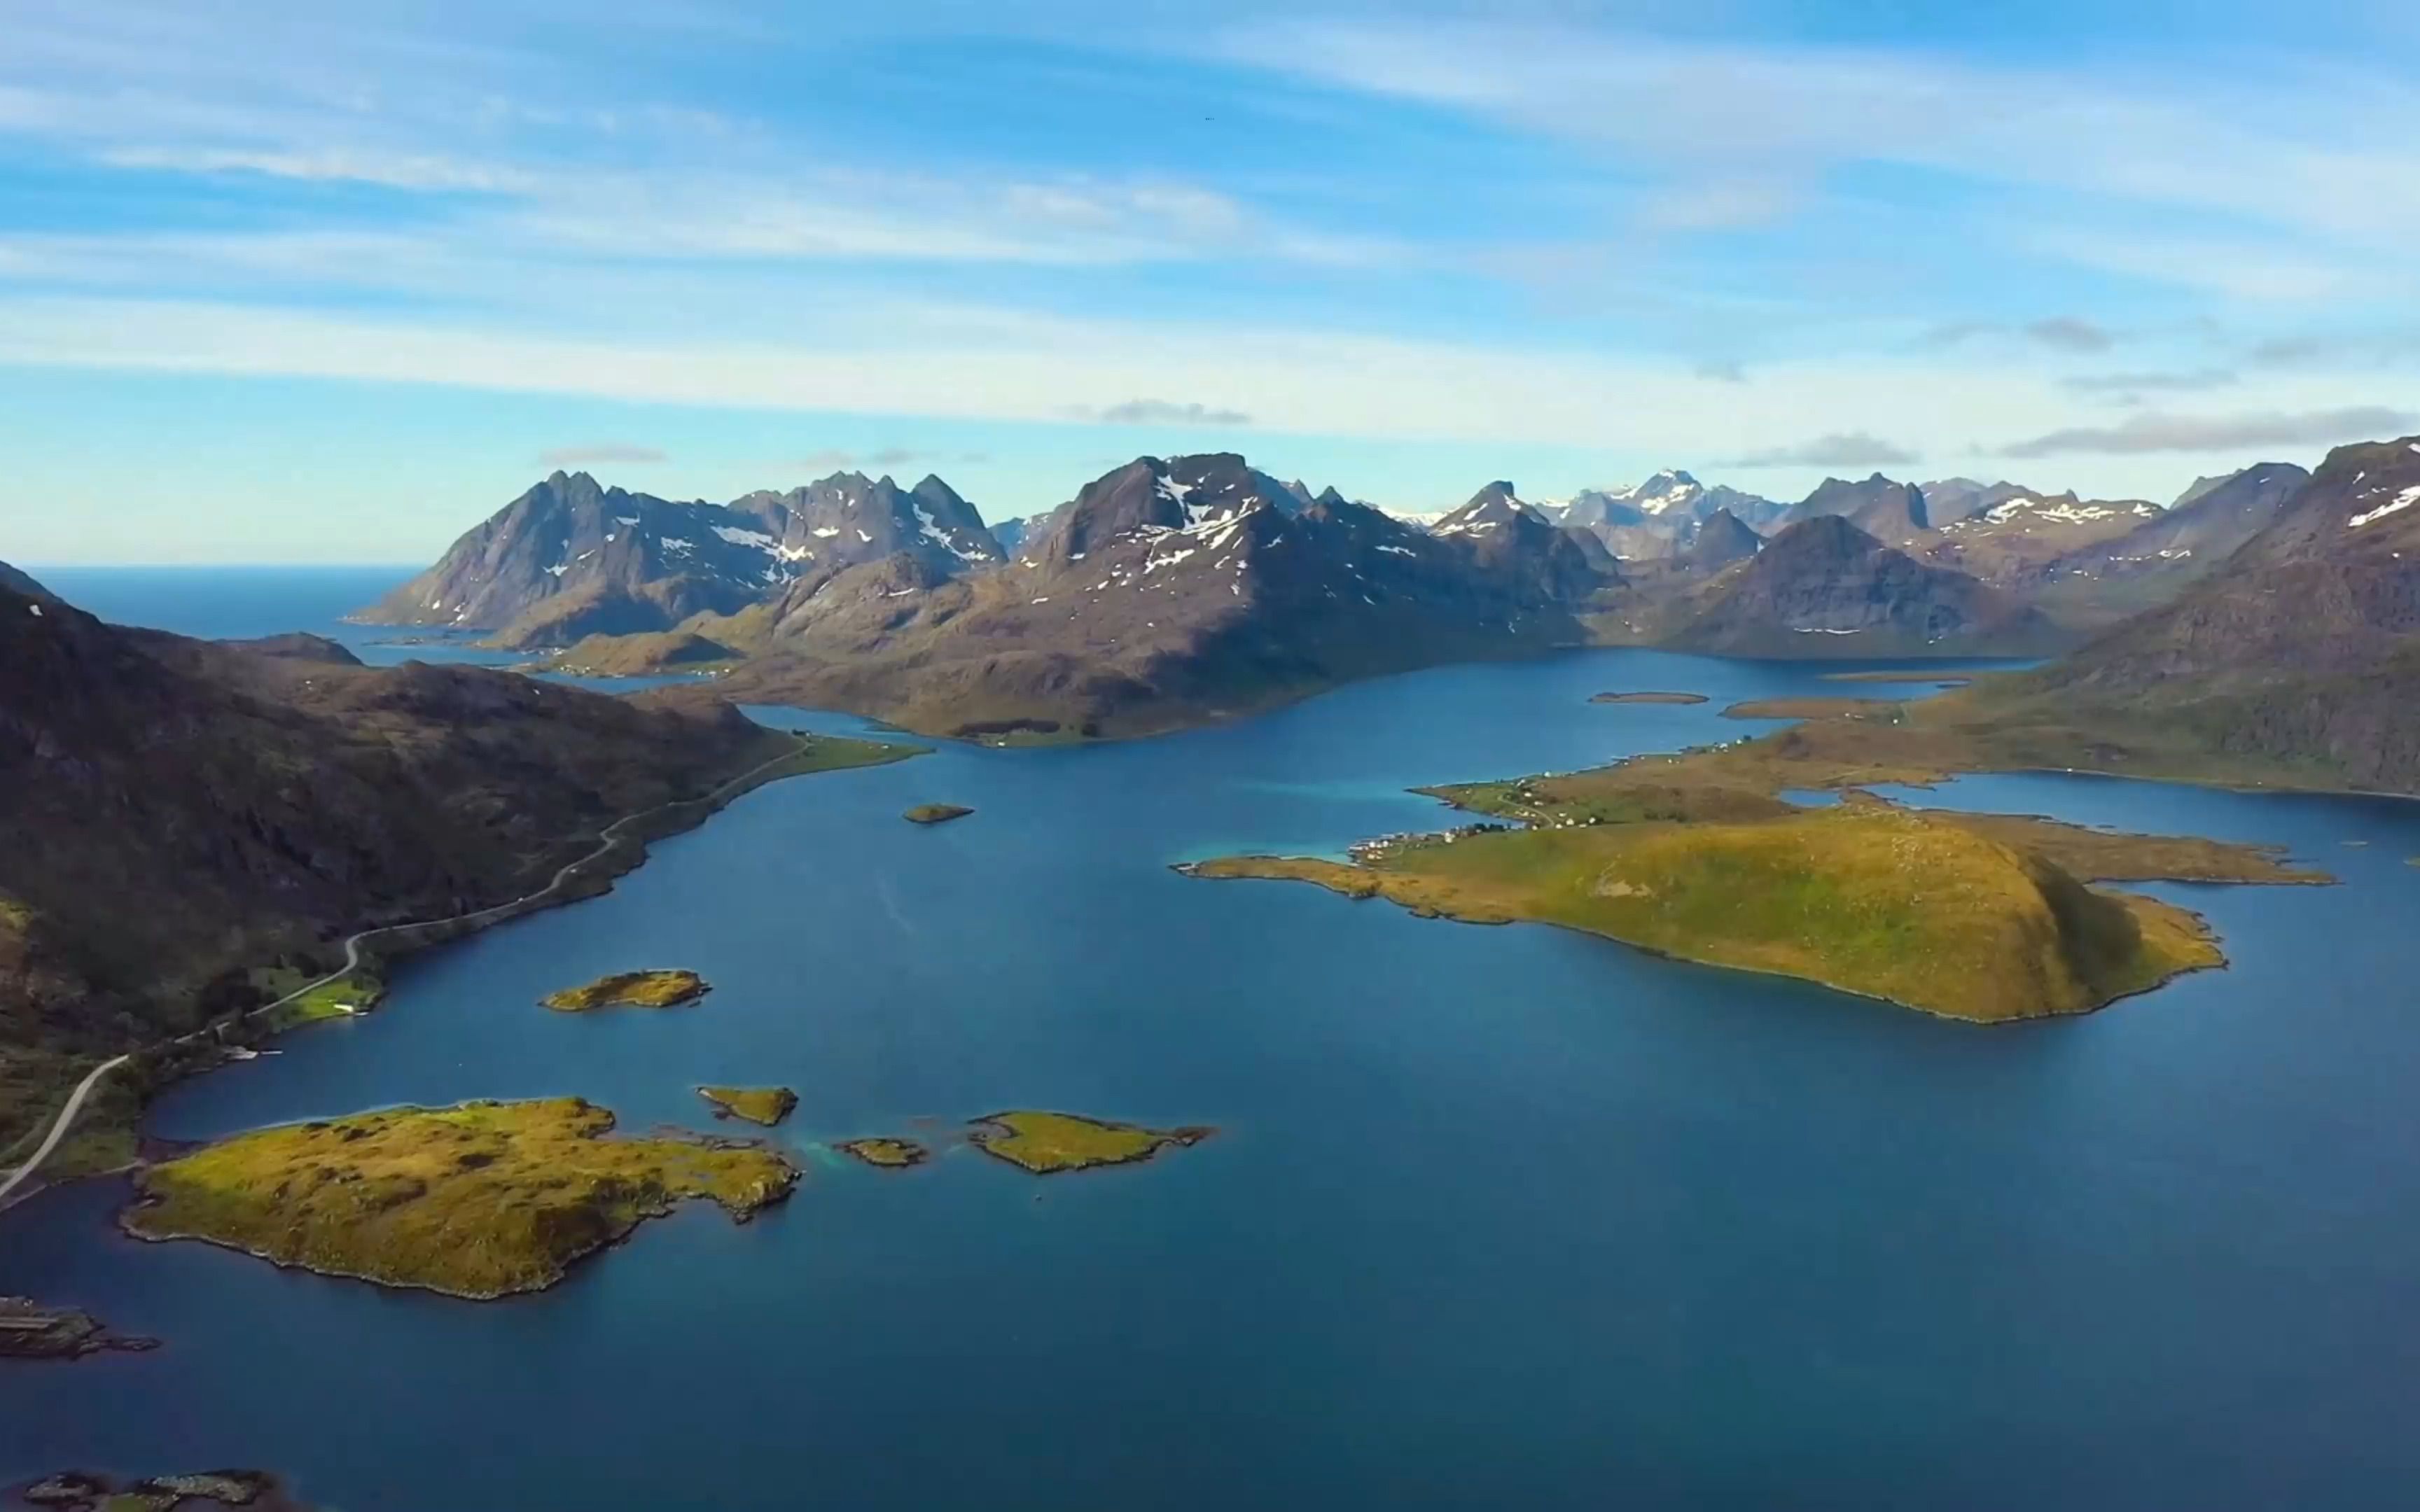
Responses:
[1498,1217]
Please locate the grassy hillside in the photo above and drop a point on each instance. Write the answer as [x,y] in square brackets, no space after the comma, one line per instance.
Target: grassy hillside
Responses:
[1869,899]
[477,1200]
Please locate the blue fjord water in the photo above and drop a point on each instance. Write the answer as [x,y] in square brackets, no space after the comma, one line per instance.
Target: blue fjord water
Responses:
[1497,1217]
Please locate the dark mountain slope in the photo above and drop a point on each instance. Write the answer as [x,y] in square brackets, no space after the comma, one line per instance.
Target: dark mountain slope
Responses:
[1892,513]
[15,581]
[1823,587]
[172,812]
[2206,526]
[2302,648]
[1721,540]
[2013,543]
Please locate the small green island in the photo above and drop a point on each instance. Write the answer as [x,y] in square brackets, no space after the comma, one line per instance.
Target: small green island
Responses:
[888,1154]
[935,813]
[1647,698]
[1048,1143]
[1698,855]
[766,1105]
[478,1201]
[634,989]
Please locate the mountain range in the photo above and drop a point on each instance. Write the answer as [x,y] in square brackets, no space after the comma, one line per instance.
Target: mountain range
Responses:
[1166,591]
[571,558]
[1103,619]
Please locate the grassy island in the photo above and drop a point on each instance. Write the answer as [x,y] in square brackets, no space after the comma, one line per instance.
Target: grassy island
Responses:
[768,1105]
[890,1154]
[636,989]
[478,1201]
[935,813]
[1647,698]
[1915,908]
[1049,1143]
[1815,708]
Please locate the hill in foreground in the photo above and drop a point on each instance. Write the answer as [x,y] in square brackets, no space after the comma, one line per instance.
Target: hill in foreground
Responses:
[183,815]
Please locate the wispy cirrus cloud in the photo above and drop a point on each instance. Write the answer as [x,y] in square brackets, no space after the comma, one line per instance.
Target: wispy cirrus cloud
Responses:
[2060,332]
[882,458]
[619,452]
[2146,432]
[2152,382]
[1163,413]
[1841,448]
[328,164]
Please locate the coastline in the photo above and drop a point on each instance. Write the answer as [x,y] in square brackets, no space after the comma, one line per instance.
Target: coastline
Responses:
[570,882]
[2200,920]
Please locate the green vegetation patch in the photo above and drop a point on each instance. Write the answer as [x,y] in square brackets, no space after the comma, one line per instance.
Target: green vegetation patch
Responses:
[890,1154]
[1913,907]
[1816,708]
[356,992]
[1048,1143]
[478,1201]
[1647,698]
[635,989]
[768,1105]
[935,813]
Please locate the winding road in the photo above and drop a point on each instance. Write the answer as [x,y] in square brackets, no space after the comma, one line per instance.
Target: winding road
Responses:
[607,838]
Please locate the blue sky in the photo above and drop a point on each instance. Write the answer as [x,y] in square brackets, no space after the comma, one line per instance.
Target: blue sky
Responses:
[299,281]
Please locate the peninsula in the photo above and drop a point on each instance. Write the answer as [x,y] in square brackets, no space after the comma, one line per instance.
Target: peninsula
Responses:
[1978,916]
[478,1201]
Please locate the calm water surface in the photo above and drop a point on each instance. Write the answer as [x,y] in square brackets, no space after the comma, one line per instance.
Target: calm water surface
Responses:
[1499,1217]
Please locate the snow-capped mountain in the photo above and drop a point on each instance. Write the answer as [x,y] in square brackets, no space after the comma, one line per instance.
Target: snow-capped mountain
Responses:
[572,558]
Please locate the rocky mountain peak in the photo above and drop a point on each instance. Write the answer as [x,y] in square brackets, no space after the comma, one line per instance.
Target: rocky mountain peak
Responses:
[1891,510]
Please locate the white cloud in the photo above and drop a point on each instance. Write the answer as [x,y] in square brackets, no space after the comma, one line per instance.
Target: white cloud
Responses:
[1841,448]
[2332,184]
[415,171]
[2219,433]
